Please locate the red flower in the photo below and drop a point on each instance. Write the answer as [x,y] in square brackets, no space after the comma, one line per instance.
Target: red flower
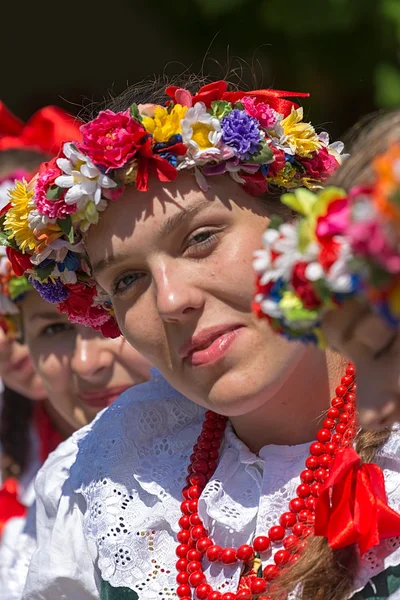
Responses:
[256,184]
[207,94]
[278,163]
[150,162]
[79,306]
[112,139]
[329,253]
[321,165]
[110,329]
[20,262]
[303,287]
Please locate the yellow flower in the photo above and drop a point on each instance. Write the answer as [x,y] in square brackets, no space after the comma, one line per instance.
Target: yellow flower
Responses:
[301,137]
[16,221]
[165,124]
[87,216]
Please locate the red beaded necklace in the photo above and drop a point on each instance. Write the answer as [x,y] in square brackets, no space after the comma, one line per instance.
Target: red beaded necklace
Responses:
[338,431]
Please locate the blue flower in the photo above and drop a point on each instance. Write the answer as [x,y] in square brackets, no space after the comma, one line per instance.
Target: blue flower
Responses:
[241,132]
[51,292]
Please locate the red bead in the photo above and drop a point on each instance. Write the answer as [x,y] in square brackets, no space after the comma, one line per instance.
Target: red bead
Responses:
[333,413]
[351,398]
[328,423]
[303,490]
[228,556]
[276,533]
[203,590]
[344,419]
[183,536]
[261,543]
[288,519]
[341,428]
[214,454]
[311,520]
[198,532]
[325,461]
[204,445]
[331,448]
[350,370]
[213,553]
[354,387]
[304,515]
[294,559]
[281,557]
[214,595]
[349,409]
[336,438]
[218,434]
[196,578]
[203,544]
[245,553]
[181,564]
[183,590]
[316,489]
[271,572]
[337,402]
[311,503]
[193,555]
[198,479]
[340,390]
[298,529]
[195,520]
[347,380]
[228,596]
[312,462]
[200,466]
[258,586]
[290,542]
[185,492]
[296,505]
[182,550]
[184,522]
[243,595]
[194,492]
[206,434]
[200,455]
[307,531]
[317,448]
[323,436]
[321,475]
[301,547]
[307,476]
[182,577]
[192,543]
[213,416]
[185,507]
[194,565]
[193,504]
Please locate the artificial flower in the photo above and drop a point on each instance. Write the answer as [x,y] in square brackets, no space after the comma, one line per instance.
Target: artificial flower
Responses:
[264,114]
[336,219]
[20,262]
[89,214]
[49,205]
[80,306]
[320,165]
[165,123]
[51,291]
[298,137]
[16,220]
[242,133]
[201,132]
[111,139]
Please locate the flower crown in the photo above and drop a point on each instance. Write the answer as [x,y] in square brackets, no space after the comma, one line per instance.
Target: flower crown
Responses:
[344,245]
[258,137]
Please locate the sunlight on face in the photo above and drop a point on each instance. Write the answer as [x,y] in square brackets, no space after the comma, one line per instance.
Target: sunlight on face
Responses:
[177,264]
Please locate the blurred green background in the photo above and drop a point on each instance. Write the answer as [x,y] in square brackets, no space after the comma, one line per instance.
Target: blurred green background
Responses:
[344,52]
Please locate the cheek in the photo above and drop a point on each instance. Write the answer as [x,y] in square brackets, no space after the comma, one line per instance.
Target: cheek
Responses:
[55,375]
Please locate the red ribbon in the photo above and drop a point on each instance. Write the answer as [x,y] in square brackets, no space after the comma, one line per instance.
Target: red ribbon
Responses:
[10,506]
[45,131]
[352,507]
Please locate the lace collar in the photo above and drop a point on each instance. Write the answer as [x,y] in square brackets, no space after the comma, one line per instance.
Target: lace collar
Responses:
[131,467]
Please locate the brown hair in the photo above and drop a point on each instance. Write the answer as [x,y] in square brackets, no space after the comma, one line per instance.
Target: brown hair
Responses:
[322,573]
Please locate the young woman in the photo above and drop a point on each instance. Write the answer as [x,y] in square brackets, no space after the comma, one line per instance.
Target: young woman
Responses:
[162,497]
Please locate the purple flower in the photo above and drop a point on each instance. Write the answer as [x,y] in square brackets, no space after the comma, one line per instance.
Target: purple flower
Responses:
[241,132]
[51,292]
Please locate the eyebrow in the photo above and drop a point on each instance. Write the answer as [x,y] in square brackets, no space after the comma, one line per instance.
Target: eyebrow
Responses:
[44,315]
[166,228]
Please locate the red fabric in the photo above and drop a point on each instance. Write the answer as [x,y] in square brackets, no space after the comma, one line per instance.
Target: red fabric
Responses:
[10,506]
[49,438]
[19,262]
[352,507]
[45,131]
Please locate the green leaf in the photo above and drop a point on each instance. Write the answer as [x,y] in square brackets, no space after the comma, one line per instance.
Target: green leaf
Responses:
[221,108]
[66,226]
[275,222]
[54,192]
[300,201]
[239,106]
[134,112]
[44,272]
[18,286]
[263,156]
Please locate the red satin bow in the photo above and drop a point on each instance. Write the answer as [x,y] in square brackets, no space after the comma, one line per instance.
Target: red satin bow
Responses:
[10,506]
[352,507]
[45,131]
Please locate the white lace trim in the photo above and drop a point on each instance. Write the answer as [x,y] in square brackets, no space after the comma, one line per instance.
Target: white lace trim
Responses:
[131,472]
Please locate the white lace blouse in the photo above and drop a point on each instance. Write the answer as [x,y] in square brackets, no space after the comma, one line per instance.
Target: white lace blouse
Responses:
[109,507]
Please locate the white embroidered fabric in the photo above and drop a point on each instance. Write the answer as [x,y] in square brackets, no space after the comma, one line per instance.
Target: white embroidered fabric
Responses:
[131,470]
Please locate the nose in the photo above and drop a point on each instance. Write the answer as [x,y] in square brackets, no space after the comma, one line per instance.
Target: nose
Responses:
[91,360]
[178,297]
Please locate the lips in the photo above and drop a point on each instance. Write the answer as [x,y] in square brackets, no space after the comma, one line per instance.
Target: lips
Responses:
[103,398]
[210,344]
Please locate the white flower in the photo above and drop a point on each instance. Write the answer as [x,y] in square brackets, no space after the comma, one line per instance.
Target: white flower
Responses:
[38,221]
[57,251]
[5,187]
[339,279]
[82,178]
[201,133]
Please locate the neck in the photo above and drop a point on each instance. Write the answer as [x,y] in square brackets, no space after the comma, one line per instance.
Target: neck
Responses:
[293,415]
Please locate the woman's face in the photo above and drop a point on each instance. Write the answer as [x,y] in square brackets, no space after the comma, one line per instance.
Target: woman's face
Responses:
[17,370]
[177,264]
[82,371]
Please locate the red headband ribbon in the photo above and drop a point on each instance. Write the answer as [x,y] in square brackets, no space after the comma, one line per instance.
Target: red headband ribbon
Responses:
[352,507]
[45,131]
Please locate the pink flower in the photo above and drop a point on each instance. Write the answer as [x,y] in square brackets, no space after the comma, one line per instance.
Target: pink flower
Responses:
[112,139]
[57,208]
[321,165]
[370,240]
[80,309]
[265,115]
[336,220]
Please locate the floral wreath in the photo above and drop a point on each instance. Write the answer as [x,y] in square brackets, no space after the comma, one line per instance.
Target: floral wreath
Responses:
[344,245]
[258,137]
